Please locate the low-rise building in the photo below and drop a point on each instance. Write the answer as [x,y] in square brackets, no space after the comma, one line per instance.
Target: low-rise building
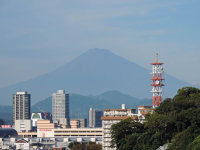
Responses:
[7,143]
[45,143]
[22,144]
[49,132]
[82,121]
[23,125]
[45,128]
[78,132]
[74,123]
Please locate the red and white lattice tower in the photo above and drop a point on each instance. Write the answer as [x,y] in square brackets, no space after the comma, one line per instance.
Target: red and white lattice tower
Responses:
[157,82]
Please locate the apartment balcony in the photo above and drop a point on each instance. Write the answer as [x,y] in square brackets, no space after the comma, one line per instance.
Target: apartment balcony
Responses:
[106,132]
[106,136]
[107,126]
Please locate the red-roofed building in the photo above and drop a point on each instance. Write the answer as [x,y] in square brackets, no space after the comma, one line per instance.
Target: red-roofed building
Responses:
[22,144]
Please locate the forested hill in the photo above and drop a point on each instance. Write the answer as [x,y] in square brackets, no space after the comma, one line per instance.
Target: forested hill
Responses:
[80,104]
[176,123]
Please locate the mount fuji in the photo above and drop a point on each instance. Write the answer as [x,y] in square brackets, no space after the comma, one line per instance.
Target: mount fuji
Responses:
[93,72]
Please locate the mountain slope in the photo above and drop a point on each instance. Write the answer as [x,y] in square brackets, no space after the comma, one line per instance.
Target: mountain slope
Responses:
[79,104]
[6,114]
[93,72]
[119,98]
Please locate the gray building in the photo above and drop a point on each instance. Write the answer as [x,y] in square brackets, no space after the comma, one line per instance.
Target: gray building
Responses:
[60,106]
[21,106]
[95,118]
[82,121]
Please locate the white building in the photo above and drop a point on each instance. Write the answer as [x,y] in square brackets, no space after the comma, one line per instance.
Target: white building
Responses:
[60,106]
[78,132]
[113,116]
[22,144]
[23,125]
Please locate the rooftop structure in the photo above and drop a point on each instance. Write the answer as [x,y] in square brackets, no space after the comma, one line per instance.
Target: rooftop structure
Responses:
[35,116]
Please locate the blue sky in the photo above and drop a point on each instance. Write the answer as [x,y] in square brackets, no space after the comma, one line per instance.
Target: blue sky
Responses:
[39,36]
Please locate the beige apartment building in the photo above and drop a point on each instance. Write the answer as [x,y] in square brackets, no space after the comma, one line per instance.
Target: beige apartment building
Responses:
[113,116]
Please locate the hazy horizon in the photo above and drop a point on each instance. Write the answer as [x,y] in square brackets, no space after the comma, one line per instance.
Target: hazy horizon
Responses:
[37,37]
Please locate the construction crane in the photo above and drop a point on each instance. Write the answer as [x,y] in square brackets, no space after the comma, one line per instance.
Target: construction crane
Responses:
[44,112]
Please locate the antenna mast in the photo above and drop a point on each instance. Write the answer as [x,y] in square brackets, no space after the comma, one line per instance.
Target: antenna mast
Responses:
[157,81]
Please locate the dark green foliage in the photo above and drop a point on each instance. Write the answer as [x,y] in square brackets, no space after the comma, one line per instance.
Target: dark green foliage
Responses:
[73,144]
[175,121]
[195,145]
[84,145]
[121,133]
[183,139]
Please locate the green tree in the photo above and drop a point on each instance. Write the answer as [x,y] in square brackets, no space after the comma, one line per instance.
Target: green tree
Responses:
[182,140]
[85,145]
[195,145]
[175,121]
[121,131]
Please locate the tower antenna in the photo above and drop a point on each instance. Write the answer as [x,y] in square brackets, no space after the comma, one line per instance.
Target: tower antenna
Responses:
[157,82]
[156,57]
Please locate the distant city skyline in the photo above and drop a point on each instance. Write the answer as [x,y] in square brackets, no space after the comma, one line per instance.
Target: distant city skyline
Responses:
[37,37]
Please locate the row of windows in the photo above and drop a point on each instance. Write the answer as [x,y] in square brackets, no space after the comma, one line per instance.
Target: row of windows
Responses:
[62,131]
